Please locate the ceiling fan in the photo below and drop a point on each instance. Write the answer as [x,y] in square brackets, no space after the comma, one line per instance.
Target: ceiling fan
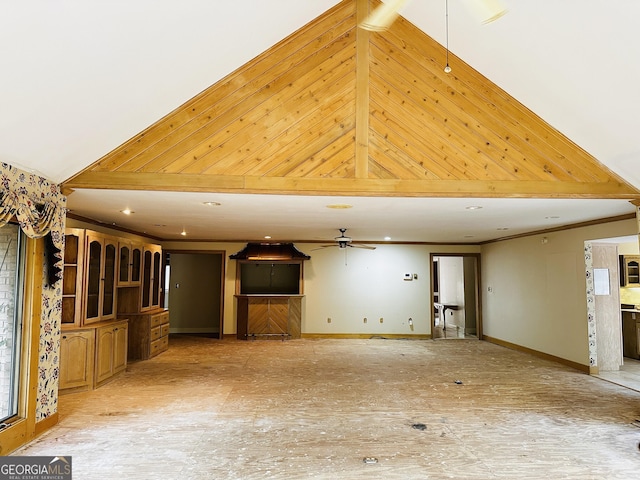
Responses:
[343,242]
[383,16]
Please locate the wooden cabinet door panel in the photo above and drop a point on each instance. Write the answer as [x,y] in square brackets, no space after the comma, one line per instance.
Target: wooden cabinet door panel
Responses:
[76,359]
[120,347]
[258,317]
[279,316]
[104,353]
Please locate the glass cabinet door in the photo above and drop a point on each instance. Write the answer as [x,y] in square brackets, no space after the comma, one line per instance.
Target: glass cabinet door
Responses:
[94,260]
[72,278]
[109,280]
[125,262]
[155,285]
[146,279]
[136,263]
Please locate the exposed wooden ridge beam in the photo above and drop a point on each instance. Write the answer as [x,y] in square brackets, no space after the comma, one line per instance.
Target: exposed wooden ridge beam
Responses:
[362,92]
[351,186]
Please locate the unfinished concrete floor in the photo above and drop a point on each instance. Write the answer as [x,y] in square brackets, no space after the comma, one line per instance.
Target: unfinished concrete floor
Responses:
[211,409]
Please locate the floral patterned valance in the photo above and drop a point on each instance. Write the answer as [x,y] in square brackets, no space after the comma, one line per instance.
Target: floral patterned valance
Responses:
[40,208]
[37,204]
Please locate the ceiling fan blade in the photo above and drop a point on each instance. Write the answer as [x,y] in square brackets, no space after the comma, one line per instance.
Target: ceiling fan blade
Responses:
[324,246]
[489,10]
[360,245]
[383,16]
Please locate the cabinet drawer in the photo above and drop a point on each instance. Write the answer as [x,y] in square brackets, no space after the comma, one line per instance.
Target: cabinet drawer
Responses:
[156,333]
[164,330]
[159,319]
[159,345]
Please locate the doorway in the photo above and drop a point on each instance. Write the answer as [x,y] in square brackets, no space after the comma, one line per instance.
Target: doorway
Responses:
[194,286]
[455,296]
[610,356]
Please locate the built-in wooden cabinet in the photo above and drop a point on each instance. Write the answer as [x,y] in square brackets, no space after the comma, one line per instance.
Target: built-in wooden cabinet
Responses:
[73,275]
[111,351]
[105,276]
[90,356]
[630,270]
[148,334]
[77,349]
[100,286]
[129,263]
[268,316]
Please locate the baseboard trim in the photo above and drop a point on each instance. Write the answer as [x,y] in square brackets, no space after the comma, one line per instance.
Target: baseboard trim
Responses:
[537,353]
[367,336]
[45,424]
[193,330]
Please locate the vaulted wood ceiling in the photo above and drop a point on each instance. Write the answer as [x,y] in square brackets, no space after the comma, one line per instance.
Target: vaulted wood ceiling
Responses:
[334,109]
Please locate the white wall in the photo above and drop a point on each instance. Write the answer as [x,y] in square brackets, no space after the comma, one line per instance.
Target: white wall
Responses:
[371,285]
[538,297]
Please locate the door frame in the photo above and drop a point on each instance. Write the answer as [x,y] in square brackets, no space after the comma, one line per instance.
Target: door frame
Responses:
[223,266]
[477,256]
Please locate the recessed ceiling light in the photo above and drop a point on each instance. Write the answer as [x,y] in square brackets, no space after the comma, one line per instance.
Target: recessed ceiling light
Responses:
[387,238]
[551,217]
[159,225]
[211,204]
[339,206]
[183,233]
[473,207]
[127,211]
[502,228]
[268,237]
[469,236]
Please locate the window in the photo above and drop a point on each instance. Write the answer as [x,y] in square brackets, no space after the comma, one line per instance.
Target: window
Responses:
[11,301]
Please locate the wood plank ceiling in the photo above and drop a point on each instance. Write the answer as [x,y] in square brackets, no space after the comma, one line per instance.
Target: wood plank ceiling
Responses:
[333,109]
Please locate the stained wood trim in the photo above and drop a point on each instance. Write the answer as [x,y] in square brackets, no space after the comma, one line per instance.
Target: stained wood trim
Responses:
[367,336]
[45,424]
[349,186]
[536,353]
[600,221]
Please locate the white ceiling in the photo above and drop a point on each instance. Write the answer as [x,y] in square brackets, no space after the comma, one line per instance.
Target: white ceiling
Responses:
[79,78]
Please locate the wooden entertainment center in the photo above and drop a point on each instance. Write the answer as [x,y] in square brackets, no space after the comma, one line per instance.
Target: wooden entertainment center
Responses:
[269,291]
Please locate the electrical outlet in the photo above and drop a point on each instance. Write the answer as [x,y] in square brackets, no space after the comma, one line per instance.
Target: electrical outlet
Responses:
[381,320]
[365,319]
[329,320]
